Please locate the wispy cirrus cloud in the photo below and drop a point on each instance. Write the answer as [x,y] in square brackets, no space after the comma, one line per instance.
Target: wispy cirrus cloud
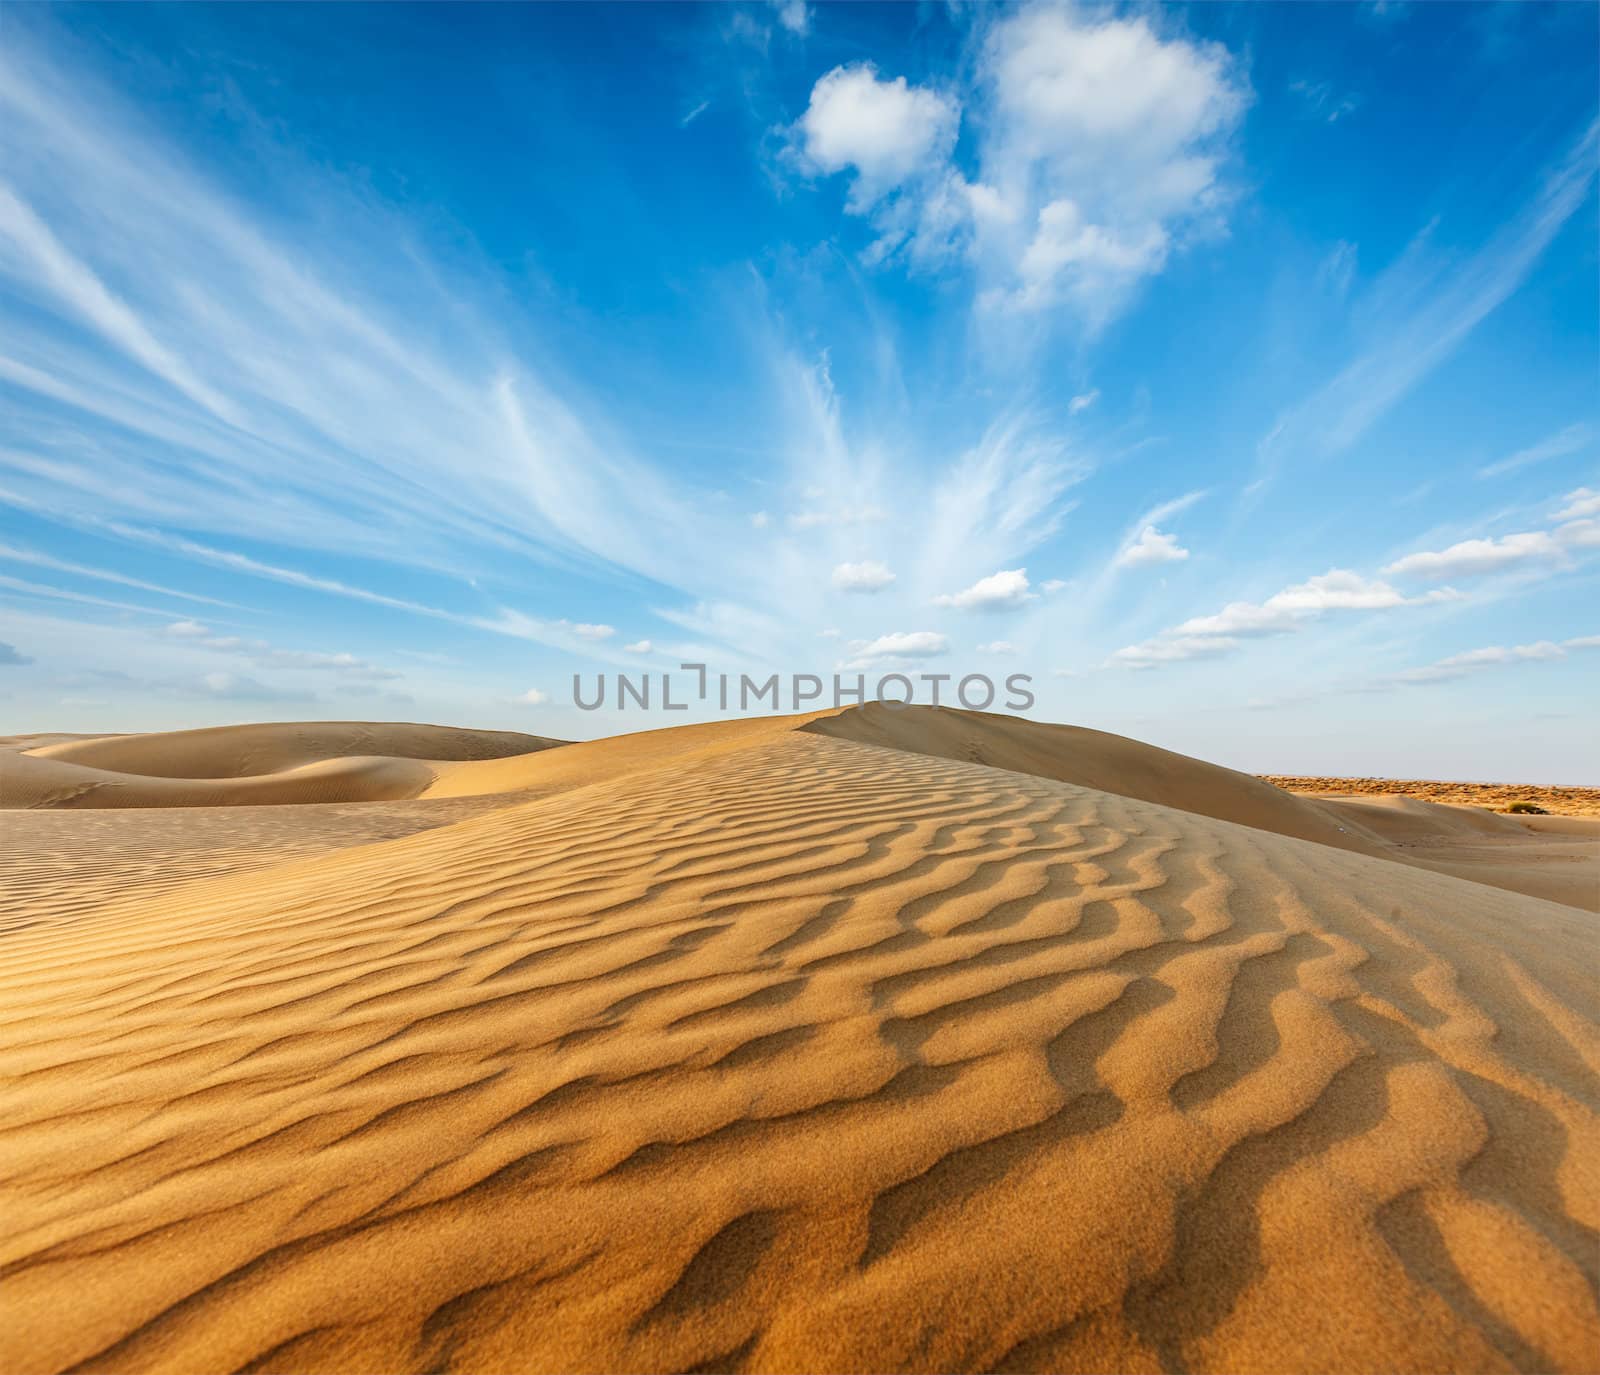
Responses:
[242,390]
[1495,656]
[1421,309]
[1571,440]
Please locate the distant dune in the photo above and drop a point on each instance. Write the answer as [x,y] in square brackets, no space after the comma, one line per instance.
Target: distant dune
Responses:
[275,763]
[1495,796]
[858,1041]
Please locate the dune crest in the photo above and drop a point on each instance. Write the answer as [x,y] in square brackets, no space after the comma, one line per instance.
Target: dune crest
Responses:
[229,766]
[775,1050]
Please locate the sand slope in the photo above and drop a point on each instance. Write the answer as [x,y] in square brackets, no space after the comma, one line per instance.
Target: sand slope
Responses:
[273,763]
[788,1052]
[1553,857]
[1094,759]
[60,865]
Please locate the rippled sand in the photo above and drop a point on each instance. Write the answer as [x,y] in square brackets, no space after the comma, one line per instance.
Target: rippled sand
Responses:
[767,1048]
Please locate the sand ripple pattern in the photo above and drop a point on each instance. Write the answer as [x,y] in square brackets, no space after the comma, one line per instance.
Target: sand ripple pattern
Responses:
[813,1055]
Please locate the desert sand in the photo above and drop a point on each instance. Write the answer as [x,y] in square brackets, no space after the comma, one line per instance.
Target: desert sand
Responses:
[920,1040]
[1497,797]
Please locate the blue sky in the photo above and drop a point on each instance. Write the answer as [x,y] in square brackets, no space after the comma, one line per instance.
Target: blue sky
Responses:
[1230,370]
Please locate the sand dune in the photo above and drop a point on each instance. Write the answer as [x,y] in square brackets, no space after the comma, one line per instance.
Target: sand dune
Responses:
[231,766]
[1554,857]
[768,1049]
[1094,759]
[1560,801]
[244,751]
[60,865]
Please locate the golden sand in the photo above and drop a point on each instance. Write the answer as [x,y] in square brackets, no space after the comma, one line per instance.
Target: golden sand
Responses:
[868,1040]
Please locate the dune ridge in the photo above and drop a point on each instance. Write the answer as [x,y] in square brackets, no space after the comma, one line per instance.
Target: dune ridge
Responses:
[792,1051]
[275,763]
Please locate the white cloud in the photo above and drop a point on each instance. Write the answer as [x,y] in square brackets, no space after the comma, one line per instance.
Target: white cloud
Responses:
[16,554]
[264,655]
[1008,588]
[1082,403]
[1476,556]
[594,632]
[1579,534]
[913,644]
[1580,503]
[1495,656]
[845,515]
[886,132]
[531,698]
[794,15]
[862,577]
[237,687]
[1575,529]
[638,647]
[760,520]
[1099,149]
[1336,590]
[998,647]
[1052,585]
[1150,547]
[1567,441]
[1111,138]
[1168,649]
[1421,309]
[1323,101]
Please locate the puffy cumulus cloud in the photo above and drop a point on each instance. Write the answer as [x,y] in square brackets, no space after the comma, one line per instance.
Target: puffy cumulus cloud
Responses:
[12,657]
[1151,546]
[900,644]
[1105,141]
[1007,588]
[531,698]
[1072,91]
[794,15]
[886,133]
[1099,150]
[862,577]
[638,647]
